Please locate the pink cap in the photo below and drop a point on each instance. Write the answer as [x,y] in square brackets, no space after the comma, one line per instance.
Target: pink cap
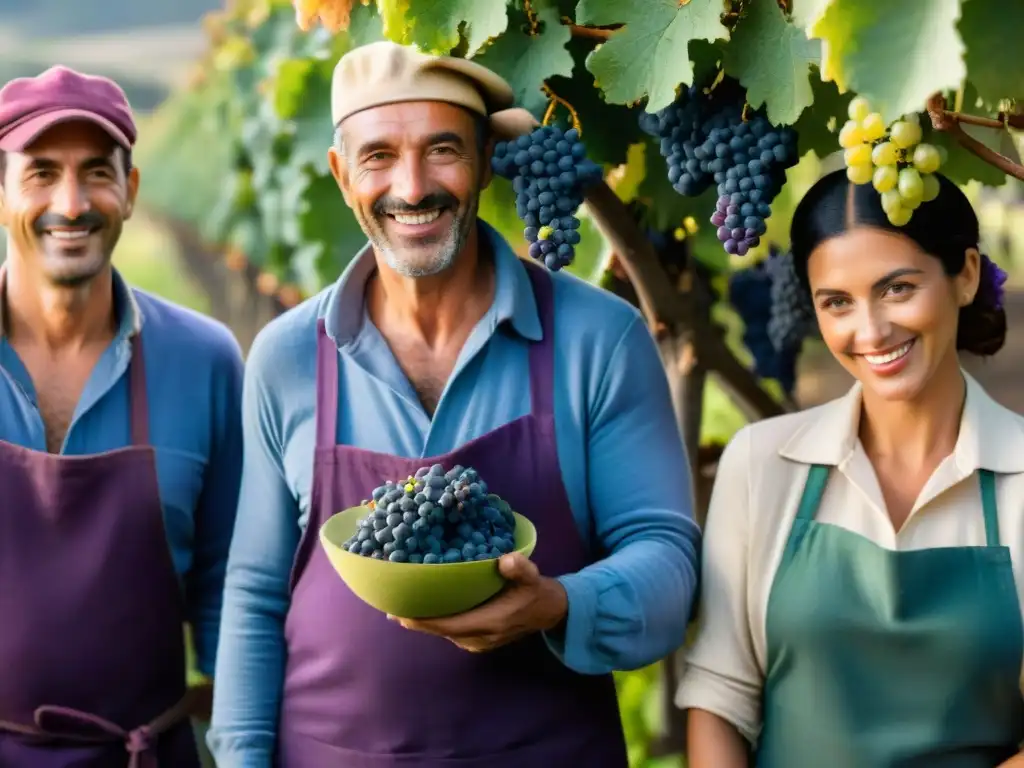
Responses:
[31,105]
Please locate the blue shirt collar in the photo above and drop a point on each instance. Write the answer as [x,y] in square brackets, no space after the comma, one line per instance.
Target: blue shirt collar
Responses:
[514,300]
[126,308]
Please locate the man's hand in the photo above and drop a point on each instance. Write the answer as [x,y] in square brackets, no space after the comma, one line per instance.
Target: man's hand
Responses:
[529,603]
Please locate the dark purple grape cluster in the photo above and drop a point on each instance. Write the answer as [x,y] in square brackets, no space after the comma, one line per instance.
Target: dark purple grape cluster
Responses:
[792,314]
[549,171]
[750,294]
[435,516]
[709,139]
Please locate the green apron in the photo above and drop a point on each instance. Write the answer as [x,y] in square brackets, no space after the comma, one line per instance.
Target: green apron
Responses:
[883,659]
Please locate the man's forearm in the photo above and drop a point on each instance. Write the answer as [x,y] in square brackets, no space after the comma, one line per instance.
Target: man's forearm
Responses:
[627,610]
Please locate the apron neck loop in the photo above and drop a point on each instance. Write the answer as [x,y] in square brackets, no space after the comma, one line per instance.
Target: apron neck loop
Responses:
[326,388]
[137,397]
[988,506]
[817,479]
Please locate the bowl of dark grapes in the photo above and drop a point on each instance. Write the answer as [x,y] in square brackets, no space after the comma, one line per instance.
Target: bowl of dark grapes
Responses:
[427,545]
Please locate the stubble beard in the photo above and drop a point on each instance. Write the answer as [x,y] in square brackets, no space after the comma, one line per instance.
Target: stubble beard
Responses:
[428,258]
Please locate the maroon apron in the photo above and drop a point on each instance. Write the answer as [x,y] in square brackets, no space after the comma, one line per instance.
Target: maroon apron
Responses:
[363,692]
[91,612]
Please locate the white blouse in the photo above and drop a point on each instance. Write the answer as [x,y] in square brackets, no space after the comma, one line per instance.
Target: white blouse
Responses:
[760,479]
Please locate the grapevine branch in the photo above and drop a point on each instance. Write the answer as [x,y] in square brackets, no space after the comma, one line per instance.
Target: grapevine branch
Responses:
[661,303]
[949,122]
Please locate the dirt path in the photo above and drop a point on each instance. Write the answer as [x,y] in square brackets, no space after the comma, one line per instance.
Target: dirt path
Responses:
[821,378]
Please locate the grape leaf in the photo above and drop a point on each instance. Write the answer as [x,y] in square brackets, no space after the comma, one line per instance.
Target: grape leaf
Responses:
[312,131]
[366,27]
[289,86]
[649,56]
[818,126]
[394,15]
[608,129]
[806,13]
[771,58]
[993,31]
[526,61]
[861,37]
[435,23]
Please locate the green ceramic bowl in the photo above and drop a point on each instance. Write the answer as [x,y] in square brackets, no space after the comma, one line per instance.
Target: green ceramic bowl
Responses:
[411,590]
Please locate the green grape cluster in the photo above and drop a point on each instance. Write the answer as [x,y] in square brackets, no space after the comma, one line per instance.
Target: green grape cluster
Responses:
[892,159]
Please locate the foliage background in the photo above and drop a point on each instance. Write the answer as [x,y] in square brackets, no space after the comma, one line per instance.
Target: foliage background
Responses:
[236,147]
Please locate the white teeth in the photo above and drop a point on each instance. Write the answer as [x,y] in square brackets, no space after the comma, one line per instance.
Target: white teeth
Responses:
[416,218]
[888,357]
[66,234]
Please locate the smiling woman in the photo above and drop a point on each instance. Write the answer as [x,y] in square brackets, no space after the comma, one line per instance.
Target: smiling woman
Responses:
[864,560]
[894,304]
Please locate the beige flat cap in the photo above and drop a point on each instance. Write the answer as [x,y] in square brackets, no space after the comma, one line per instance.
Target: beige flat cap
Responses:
[384,72]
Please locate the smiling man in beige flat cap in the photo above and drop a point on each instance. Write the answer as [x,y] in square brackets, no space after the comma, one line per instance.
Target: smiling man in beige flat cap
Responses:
[439,346]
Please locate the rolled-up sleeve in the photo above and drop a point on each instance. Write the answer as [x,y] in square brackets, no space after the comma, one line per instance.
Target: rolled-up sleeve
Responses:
[722,675]
[631,608]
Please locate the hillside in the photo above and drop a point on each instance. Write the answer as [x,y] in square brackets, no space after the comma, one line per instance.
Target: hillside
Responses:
[147,47]
[58,18]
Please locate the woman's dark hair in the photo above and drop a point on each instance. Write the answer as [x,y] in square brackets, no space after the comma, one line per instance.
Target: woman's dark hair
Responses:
[944,228]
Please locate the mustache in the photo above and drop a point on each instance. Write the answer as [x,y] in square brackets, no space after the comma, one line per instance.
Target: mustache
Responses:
[88,220]
[388,204]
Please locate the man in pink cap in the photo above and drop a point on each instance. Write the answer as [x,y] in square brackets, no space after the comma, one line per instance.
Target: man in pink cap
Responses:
[119,451]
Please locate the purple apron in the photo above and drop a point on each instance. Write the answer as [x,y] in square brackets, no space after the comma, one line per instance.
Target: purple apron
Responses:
[90,609]
[363,692]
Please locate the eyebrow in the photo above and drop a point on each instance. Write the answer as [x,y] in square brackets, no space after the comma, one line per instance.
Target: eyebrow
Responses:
[879,283]
[441,137]
[46,163]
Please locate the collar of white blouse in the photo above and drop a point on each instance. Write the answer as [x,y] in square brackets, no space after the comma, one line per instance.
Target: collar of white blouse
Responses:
[991,437]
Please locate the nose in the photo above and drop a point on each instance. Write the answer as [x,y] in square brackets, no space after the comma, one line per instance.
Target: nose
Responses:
[70,199]
[408,180]
[873,329]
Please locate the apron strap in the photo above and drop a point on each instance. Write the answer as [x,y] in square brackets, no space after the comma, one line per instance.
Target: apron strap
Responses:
[137,397]
[817,478]
[542,353]
[987,479]
[76,728]
[326,388]
[814,489]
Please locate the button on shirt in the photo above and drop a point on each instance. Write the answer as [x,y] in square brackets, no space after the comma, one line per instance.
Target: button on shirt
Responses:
[760,479]
[194,386]
[621,457]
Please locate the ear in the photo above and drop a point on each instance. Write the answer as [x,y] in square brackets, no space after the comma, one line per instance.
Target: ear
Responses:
[969,278]
[340,171]
[133,192]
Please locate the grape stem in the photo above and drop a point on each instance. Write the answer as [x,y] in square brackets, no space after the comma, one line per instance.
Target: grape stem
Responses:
[670,313]
[555,101]
[531,16]
[589,33]
[949,122]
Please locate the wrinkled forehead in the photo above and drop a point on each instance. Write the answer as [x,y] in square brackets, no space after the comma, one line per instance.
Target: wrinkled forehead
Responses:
[413,123]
